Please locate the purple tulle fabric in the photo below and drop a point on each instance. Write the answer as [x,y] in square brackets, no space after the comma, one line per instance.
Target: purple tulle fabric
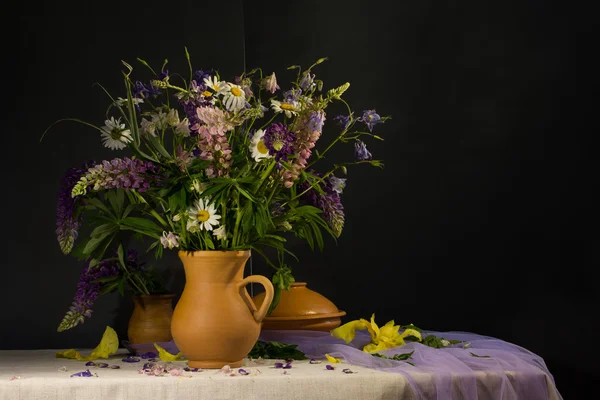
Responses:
[452,369]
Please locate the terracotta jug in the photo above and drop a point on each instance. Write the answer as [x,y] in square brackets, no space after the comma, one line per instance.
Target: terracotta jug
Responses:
[215,322]
[151,319]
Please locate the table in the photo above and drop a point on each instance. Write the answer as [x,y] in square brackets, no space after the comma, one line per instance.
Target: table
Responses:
[41,379]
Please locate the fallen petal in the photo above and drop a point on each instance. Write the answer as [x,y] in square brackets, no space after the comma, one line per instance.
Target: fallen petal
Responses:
[130,359]
[102,365]
[225,370]
[90,364]
[313,361]
[278,365]
[287,366]
[329,367]
[148,354]
[115,366]
[242,371]
[83,374]
[16,377]
[348,371]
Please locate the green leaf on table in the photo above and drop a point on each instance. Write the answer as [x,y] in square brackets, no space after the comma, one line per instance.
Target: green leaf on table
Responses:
[475,355]
[276,350]
[396,357]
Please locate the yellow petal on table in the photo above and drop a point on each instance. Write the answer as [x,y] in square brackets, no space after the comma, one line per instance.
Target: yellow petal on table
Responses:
[70,354]
[332,359]
[411,332]
[166,356]
[109,344]
[347,332]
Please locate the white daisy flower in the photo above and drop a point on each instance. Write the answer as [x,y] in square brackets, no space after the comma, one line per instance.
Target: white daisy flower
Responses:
[220,232]
[203,215]
[169,240]
[234,97]
[257,147]
[288,108]
[148,127]
[114,135]
[214,84]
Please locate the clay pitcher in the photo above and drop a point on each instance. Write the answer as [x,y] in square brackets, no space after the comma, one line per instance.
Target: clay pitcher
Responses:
[215,322]
[151,319]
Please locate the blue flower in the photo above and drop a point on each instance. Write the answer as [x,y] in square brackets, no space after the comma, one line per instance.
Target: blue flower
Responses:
[370,118]
[343,120]
[307,82]
[360,149]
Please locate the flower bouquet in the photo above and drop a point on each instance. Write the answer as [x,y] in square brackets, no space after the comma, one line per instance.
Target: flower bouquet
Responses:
[214,165]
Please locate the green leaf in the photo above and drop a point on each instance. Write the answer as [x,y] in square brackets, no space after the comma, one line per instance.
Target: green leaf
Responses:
[141,224]
[158,146]
[475,355]
[116,199]
[121,286]
[104,230]
[121,256]
[276,350]
[100,205]
[92,244]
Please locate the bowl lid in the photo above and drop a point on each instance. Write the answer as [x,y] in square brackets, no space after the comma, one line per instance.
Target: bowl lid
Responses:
[301,303]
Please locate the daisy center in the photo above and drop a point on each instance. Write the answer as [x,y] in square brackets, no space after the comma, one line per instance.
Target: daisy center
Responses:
[115,134]
[236,92]
[287,106]
[206,93]
[262,149]
[203,216]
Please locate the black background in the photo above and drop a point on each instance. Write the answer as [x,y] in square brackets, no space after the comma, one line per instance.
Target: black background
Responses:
[481,220]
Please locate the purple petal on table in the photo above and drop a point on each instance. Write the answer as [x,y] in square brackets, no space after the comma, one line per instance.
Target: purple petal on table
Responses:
[84,374]
[329,367]
[287,366]
[348,371]
[148,354]
[242,371]
[313,361]
[278,365]
[90,364]
[188,369]
[115,366]
[148,365]
[130,359]
[102,365]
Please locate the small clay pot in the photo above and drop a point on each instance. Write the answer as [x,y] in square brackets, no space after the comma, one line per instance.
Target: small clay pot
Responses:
[301,308]
[151,319]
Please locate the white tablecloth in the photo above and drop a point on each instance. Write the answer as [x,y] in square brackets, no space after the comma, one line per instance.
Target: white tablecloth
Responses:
[41,379]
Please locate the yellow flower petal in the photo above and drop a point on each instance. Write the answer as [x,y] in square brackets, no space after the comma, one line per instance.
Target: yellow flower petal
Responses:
[70,354]
[389,330]
[166,356]
[374,327]
[332,359]
[347,332]
[411,332]
[109,344]
[374,348]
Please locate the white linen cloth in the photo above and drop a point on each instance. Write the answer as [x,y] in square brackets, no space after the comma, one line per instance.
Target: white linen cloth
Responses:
[41,379]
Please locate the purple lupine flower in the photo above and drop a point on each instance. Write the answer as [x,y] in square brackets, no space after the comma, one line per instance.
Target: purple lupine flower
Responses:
[316,121]
[67,220]
[329,202]
[307,83]
[361,152]
[370,118]
[278,139]
[88,288]
[119,173]
[343,120]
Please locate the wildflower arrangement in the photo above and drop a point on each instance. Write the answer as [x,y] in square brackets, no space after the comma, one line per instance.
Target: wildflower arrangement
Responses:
[215,164]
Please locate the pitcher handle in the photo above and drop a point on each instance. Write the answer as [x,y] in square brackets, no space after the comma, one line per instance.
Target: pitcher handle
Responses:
[260,314]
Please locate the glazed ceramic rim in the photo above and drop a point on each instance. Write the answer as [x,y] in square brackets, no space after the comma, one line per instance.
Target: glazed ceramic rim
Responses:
[306,317]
